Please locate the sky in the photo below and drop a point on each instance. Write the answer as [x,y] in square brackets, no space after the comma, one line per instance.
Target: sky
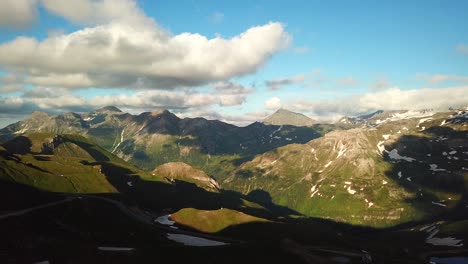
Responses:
[236,61]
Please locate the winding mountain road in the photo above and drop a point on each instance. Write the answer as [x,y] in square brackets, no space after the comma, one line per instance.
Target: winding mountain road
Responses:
[31,209]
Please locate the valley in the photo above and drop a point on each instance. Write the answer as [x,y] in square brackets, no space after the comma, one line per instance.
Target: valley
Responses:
[324,192]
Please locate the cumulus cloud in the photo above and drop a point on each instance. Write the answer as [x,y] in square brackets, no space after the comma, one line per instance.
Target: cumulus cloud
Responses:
[389,99]
[277,84]
[150,56]
[61,99]
[463,49]
[228,87]
[438,78]
[17,13]
[93,12]
[273,103]
[11,88]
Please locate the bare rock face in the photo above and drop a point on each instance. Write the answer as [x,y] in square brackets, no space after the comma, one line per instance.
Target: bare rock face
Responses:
[49,146]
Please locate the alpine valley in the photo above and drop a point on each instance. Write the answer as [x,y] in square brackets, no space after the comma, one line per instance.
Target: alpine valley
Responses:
[117,186]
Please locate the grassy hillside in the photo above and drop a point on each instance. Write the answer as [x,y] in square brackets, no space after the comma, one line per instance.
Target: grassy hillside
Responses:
[60,163]
[212,221]
[399,171]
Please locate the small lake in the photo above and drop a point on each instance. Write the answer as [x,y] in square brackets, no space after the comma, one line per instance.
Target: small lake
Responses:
[450,260]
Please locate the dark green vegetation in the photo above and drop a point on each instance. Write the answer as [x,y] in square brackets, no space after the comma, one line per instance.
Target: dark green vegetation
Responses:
[308,194]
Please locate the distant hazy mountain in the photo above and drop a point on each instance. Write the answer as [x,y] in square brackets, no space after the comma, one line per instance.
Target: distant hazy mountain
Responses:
[153,138]
[286,117]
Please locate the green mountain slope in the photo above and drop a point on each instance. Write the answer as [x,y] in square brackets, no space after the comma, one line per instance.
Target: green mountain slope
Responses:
[71,163]
[395,172]
[60,163]
[154,138]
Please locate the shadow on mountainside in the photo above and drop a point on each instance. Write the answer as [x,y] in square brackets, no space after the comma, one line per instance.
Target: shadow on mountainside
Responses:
[435,177]
[180,194]
[253,139]
[19,145]
[74,230]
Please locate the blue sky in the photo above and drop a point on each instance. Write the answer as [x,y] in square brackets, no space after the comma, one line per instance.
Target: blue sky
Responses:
[323,58]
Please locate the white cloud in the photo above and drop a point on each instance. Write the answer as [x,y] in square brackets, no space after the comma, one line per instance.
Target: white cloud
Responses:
[64,80]
[231,88]
[93,12]
[238,120]
[150,56]
[389,99]
[17,13]
[60,99]
[11,88]
[463,49]
[273,103]
[438,78]
[277,84]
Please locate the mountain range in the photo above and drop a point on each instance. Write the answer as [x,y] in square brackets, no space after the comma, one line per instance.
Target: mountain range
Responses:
[381,170]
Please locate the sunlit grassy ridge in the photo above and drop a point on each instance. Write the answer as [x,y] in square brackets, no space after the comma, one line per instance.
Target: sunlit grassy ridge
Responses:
[71,164]
[212,221]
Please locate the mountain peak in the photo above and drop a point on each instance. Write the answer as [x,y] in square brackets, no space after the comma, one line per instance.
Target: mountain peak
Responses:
[109,108]
[283,116]
[160,112]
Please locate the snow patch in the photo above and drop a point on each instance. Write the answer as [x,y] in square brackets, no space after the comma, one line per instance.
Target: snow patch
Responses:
[381,147]
[433,167]
[399,175]
[164,220]
[439,204]
[351,191]
[194,241]
[369,203]
[423,120]
[115,249]
[341,151]
[386,137]
[121,140]
[313,190]
[129,183]
[393,154]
